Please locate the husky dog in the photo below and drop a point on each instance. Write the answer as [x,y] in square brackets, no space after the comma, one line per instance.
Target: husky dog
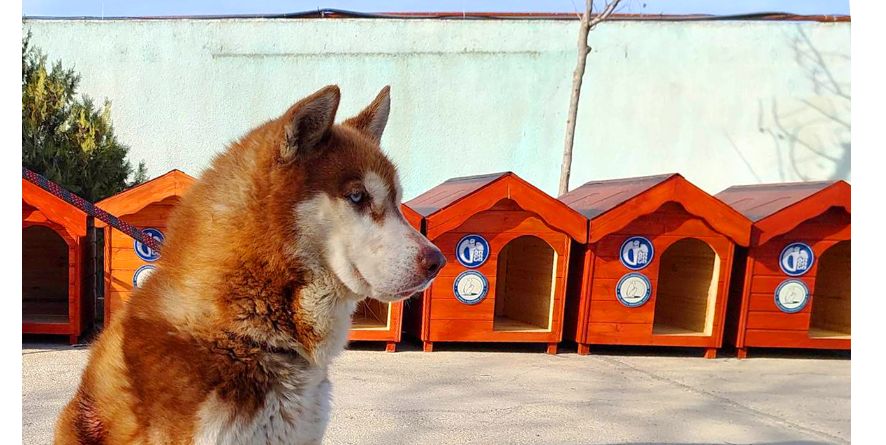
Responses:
[265,259]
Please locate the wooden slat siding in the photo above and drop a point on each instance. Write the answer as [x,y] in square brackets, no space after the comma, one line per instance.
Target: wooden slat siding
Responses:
[779,208]
[499,220]
[792,339]
[41,208]
[120,252]
[609,322]
[450,204]
[779,321]
[817,214]
[611,205]
[468,331]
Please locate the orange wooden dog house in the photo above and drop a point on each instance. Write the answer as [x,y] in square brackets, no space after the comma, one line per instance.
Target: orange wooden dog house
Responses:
[796,291]
[507,245]
[146,206]
[377,321]
[657,264]
[53,262]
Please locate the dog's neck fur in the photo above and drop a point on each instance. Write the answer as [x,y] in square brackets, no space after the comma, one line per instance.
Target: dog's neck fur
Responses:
[309,312]
[282,296]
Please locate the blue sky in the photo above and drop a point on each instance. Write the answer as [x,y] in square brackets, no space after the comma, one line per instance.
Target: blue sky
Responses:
[101,8]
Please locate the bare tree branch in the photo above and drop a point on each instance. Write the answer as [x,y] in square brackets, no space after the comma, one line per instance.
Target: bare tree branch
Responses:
[587,24]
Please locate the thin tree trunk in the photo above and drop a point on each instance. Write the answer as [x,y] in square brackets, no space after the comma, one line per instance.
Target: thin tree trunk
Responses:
[577,76]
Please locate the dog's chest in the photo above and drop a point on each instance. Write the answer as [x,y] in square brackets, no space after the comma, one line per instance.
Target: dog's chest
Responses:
[295,412]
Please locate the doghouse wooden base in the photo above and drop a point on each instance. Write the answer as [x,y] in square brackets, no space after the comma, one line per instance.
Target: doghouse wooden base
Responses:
[428,346]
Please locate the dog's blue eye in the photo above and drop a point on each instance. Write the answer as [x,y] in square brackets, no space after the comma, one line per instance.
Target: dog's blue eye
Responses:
[356,197]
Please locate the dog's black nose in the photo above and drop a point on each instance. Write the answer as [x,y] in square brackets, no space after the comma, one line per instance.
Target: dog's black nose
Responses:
[431,261]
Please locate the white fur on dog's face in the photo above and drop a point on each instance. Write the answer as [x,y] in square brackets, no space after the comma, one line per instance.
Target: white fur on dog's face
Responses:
[372,257]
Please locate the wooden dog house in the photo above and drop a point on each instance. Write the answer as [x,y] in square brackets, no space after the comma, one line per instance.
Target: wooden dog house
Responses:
[377,321]
[657,263]
[796,289]
[507,246]
[146,206]
[53,262]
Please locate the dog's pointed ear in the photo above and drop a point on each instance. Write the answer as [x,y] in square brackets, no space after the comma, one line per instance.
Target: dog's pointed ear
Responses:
[308,122]
[372,120]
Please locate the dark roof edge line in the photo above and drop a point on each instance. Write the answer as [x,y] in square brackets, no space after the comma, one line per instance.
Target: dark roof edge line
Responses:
[339,13]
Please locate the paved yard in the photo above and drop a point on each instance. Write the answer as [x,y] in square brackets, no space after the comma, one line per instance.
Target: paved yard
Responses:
[478,396]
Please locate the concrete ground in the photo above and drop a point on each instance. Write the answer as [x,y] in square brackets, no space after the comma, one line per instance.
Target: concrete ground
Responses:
[480,395]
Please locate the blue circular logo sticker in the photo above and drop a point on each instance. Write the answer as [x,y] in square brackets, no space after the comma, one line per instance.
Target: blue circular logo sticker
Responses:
[636,253]
[470,287]
[144,252]
[796,259]
[141,274]
[633,289]
[472,251]
[791,296]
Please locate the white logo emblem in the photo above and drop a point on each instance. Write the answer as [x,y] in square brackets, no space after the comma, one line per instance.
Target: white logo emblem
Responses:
[141,274]
[636,253]
[472,251]
[633,289]
[796,259]
[470,287]
[144,252]
[791,296]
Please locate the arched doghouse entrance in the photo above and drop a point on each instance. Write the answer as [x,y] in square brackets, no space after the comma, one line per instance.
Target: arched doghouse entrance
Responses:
[687,289]
[372,314]
[45,281]
[524,289]
[831,314]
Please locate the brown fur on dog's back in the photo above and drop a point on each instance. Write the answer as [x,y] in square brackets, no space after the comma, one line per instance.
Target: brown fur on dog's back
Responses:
[221,323]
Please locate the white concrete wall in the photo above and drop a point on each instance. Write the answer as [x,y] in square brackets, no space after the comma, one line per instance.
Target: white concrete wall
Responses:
[721,102]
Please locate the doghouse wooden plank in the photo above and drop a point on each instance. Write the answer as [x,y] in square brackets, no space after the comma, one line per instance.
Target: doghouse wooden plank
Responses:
[792,339]
[603,311]
[779,321]
[452,309]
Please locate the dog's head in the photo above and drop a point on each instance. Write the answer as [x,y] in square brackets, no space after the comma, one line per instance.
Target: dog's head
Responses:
[348,214]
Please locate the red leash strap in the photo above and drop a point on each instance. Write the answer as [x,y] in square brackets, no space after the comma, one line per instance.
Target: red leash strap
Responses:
[89,208]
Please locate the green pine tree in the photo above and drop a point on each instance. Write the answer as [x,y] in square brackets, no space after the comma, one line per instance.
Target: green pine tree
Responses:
[68,139]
